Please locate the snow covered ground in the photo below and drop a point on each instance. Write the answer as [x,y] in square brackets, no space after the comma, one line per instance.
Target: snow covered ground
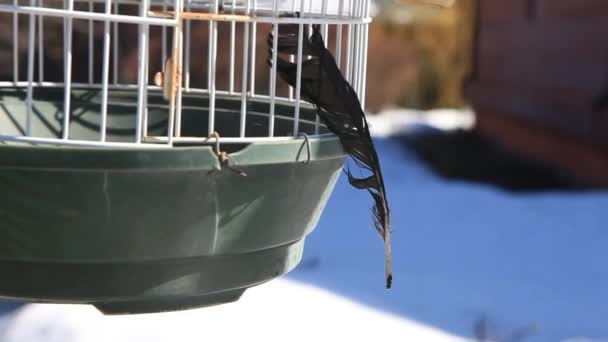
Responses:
[282,310]
[393,122]
[463,254]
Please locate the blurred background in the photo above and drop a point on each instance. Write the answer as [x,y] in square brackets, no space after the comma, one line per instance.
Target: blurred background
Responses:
[491,121]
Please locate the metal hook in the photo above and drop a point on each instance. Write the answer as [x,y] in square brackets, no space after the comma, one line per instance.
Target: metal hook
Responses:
[307,142]
[222,156]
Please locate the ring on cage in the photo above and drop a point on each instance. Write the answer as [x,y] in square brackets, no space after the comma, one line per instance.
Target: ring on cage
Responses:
[106,113]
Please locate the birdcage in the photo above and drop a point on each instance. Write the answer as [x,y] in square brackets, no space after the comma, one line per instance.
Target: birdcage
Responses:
[150,159]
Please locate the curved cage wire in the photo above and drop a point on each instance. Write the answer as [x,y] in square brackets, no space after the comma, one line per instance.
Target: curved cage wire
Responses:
[126,73]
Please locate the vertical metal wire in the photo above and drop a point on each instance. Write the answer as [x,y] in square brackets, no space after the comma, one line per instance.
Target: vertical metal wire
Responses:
[309,25]
[245,72]
[115,47]
[179,56]
[15,45]
[41,44]
[324,32]
[163,41]
[105,74]
[273,70]
[67,70]
[339,35]
[144,124]
[187,55]
[91,47]
[30,70]
[254,32]
[291,57]
[142,55]
[349,47]
[232,53]
[357,63]
[356,48]
[300,59]
[354,13]
[212,67]
[209,54]
[324,27]
[360,46]
[365,54]
[176,55]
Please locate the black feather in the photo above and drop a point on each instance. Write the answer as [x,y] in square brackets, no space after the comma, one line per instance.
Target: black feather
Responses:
[338,106]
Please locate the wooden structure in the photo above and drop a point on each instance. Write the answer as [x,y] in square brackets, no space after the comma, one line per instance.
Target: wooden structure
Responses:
[539,80]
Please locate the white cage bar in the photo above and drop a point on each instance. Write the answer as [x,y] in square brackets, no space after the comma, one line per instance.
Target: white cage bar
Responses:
[167,29]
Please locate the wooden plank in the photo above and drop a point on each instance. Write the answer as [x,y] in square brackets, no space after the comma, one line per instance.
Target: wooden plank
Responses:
[585,161]
[538,73]
[564,36]
[570,54]
[565,110]
[582,9]
[544,69]
[501,11]
[599,127]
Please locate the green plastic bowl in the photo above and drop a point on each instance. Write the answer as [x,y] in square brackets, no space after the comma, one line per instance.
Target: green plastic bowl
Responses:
[135,230]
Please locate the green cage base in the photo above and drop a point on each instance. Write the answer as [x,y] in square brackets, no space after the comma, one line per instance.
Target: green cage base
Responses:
[135,230]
